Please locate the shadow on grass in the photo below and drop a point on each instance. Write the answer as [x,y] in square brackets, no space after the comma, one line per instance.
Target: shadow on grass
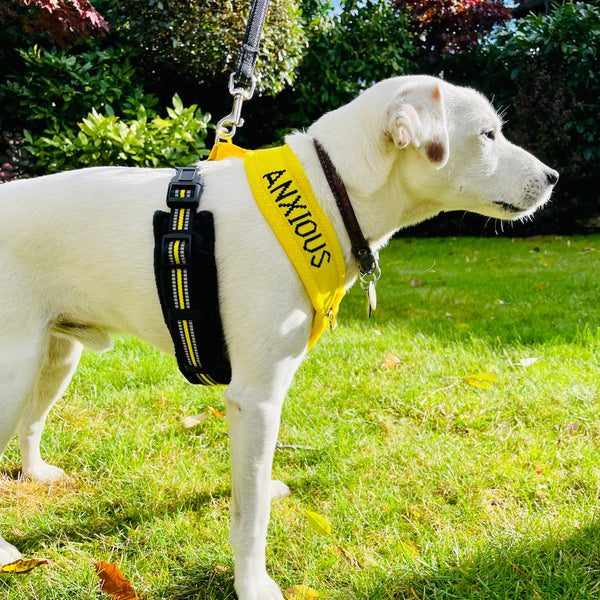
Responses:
[200,583]
[549,569]
[112,517]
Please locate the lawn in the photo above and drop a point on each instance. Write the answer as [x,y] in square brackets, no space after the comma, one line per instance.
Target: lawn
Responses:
[451,441]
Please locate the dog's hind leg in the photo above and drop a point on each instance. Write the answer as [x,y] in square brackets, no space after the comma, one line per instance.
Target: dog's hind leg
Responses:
[60,362]
[21,352]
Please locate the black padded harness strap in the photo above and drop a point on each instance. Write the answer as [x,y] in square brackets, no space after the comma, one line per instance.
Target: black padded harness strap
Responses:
[186,279]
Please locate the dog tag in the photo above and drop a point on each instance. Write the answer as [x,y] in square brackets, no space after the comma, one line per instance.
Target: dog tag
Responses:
[371,298]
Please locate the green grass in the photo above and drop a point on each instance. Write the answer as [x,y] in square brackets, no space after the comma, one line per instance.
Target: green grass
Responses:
[435,489]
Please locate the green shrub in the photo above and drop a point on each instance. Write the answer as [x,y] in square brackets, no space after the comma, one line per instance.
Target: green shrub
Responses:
[347,52]
[106,139]
[545,70]
[200,41]
[552,62]
[57,87]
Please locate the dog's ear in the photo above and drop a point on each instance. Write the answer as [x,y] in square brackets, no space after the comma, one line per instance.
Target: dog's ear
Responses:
[416,116]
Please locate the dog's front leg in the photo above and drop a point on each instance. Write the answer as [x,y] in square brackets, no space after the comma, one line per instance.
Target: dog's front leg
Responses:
[253,417]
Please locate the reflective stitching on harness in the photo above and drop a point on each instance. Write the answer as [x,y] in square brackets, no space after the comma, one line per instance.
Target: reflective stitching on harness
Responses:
[174,289]
[186,280]
[187,335]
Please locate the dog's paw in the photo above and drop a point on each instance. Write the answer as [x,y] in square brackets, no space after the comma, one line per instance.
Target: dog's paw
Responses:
[265,589]
[8,553]
[279,490]
[43,472]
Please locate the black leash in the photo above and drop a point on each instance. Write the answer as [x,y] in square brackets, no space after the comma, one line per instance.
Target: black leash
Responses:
[242,81]
[244,72]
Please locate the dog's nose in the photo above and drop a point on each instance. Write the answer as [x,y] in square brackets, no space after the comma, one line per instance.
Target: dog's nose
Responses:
[552,176]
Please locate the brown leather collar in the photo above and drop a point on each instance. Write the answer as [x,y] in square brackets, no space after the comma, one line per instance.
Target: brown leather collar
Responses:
[367,260]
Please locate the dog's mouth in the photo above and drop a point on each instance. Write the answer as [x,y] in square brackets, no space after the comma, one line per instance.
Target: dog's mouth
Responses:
[511,208]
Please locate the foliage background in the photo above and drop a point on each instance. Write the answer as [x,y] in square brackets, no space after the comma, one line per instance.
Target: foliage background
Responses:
[120,64]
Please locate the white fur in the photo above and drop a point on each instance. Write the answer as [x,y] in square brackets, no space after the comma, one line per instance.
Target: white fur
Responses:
[76,249]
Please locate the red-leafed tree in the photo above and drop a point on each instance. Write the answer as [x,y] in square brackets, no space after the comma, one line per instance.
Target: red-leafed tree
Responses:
[450,26]
[61,21]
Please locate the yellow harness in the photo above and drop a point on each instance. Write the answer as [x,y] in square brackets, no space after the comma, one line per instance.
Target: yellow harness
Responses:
[285,198]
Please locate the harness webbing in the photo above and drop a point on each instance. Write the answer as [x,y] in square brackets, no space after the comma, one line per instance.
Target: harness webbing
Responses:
[285,197]
[186,277]
[185,266]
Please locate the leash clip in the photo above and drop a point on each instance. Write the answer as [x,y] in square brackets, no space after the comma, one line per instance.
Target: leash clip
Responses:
[225,129]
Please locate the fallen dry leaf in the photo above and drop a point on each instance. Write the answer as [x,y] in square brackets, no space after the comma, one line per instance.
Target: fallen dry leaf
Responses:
[23,565]
[572,427]
[318,523]
[353,561]
[391,361]
[214,411]
[481,380]
[113,583]
[540,287]
[301,592]
[527,362]
[194,420]
[407,549]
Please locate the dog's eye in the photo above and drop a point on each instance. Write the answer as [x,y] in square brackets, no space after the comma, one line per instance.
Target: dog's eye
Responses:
[490,134]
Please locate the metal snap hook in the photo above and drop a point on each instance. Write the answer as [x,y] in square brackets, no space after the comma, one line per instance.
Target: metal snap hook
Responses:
[227,126]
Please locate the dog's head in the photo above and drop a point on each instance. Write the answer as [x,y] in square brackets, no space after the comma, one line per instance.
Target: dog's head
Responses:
[462,154]
[439,147]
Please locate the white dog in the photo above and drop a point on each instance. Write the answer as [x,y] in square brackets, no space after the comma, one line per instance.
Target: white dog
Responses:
[76,266]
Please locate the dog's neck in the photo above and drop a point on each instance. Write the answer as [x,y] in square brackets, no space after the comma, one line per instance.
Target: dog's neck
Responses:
[358,139]
[381,204]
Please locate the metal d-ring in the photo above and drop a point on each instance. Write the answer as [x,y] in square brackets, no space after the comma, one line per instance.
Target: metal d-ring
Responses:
[371,273]
[366,279]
